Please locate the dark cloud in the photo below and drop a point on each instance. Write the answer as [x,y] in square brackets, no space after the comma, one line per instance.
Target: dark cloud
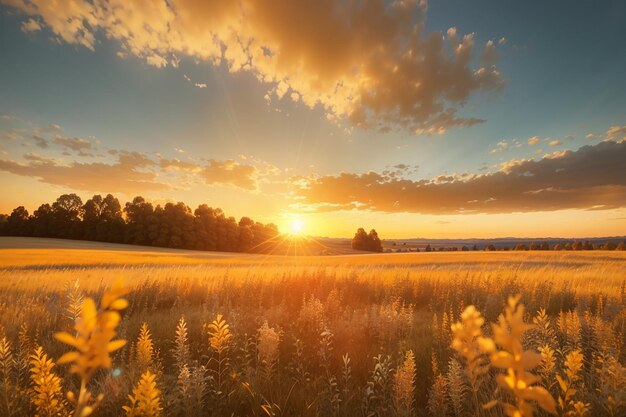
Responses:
[590,178]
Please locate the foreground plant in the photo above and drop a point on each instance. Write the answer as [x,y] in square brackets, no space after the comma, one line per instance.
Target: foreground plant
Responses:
[518,380]
[47,395]
[145,400]
[95,331]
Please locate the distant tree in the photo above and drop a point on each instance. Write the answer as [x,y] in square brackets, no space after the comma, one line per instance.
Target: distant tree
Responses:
[246,234]
[558,246]
[67,212]
[621,246]
[534,246]
[474,247]
[359,241]
[428,248]
[521,246]
[17,222]
[587,245]
[610,245]
[577,245]
[206,221]
[375,245]
[490,248]
[367,242]
[138,215]
[464,248]
[102,219]
[3,224]
[43,221]
[171,225]
[544,246]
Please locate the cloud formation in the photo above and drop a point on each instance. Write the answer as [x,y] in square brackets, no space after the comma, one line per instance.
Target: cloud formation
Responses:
[368,62]
[591,177]
[230,172]
[124,176]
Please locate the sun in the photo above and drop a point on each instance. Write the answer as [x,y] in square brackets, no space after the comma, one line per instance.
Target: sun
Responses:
[296,226]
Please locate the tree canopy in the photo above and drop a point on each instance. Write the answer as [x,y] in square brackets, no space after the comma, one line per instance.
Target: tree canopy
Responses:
[367,241]
[173,225]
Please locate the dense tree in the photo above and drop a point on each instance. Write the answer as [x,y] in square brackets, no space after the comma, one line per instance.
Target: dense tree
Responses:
[43,221]
[67,212]
[17,223]
[138,214]
[375,244]
[367,242]
[102,219]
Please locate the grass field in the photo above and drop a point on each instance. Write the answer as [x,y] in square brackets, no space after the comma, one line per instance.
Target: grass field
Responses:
[346,335]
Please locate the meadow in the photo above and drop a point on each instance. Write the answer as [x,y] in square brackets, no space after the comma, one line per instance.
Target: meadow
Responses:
[218,334]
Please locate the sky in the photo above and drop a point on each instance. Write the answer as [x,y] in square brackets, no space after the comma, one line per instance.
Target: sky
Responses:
[438,119]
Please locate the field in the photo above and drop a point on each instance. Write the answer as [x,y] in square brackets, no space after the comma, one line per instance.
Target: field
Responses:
[219,334]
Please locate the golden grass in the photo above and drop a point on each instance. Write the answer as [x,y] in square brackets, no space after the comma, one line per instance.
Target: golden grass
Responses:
[254,335]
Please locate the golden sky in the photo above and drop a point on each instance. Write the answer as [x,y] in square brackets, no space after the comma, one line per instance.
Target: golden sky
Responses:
[420,120]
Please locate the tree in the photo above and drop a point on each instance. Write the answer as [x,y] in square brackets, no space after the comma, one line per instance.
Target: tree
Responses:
[375,245]
[171,225]
[102,219]
[138,213]
[67,212]
[610,245]
[544,246]
[621,246]
[521,246]
[490,248]
[428,248]
[43,221]
[367,242]
[17,222]
[534,246]
[359,241]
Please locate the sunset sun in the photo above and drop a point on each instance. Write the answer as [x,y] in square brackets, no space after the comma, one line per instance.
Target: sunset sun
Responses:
[296,227]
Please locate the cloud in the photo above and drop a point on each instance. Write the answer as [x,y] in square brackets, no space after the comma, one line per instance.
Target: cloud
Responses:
[230,172]
[31,25]
[534,140]
[176,164]
[200,85]
[616,133]
[591,136]
[555,143]
[52,127]
[74,144]
[40,142]
[591,177]
[124,176]
[370,63]
[503,145]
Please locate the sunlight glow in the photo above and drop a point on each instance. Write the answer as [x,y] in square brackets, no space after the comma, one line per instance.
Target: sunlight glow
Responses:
[296,226]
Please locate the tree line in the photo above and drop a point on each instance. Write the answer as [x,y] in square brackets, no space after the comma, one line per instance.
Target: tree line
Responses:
[139,222]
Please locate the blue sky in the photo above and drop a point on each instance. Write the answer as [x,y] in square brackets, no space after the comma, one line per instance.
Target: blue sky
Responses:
[563,64]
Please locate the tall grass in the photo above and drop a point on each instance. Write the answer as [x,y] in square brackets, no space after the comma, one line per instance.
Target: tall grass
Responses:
[449,337]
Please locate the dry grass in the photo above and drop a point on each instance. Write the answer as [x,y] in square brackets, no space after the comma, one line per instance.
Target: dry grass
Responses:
[361,335]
